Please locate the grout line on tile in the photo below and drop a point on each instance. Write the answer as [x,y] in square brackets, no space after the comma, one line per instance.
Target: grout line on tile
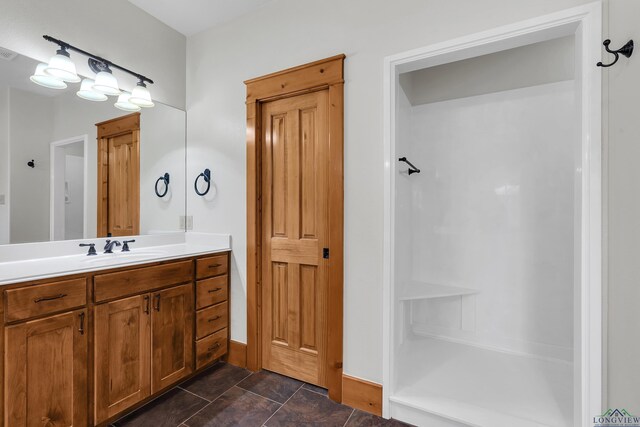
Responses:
[211,402]
[290,397]
[350,415]
[259,395]
[196,395]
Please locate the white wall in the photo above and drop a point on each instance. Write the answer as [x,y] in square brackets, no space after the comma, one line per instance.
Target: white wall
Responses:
[623,133]
[30,124]
[4,165]
[114,29]
[286,33]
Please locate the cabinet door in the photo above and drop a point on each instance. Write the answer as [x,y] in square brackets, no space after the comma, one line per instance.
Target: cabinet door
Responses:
[46,372]
[122,355]
[172,331]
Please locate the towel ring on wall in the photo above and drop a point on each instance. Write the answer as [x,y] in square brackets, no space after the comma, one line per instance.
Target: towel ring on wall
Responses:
[165,179]
[207,178]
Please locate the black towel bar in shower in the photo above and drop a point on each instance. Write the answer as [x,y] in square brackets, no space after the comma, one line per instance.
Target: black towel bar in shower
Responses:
[412,168]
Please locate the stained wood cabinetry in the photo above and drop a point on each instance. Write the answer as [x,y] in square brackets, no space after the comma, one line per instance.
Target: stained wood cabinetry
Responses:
[84,350]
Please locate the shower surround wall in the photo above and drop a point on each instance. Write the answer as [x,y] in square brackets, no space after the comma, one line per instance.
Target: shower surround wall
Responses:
[487,239]
[493,210]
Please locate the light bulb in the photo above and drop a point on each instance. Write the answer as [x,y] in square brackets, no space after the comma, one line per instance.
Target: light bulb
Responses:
[62,67]
[125,104]
[106,83]
[140,96]
[43,79]
[86,91]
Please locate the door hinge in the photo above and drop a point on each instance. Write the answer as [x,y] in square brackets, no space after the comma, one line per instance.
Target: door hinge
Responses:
[325,253]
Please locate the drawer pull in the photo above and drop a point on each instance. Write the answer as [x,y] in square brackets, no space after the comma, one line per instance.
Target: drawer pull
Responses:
[49,298]
[81,330]
[215,290]
[213,347]
[215,265]
[214,319]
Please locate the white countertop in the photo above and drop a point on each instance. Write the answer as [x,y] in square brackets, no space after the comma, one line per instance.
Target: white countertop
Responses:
[33,261]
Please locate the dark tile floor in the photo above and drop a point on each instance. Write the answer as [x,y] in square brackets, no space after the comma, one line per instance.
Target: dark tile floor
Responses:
[226,395]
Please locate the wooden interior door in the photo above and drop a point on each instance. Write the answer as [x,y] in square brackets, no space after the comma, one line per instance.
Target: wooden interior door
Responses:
[46,372]
[122,337]
[119,176]
[172,336]
[294,228]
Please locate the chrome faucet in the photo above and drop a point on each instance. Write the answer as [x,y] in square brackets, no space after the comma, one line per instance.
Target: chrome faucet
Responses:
[108,248]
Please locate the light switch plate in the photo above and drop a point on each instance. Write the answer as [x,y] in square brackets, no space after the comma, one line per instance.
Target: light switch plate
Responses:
[182,222]
[189,222]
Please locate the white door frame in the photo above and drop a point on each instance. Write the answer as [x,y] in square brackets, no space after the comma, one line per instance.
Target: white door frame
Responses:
[585,22]
[84,139]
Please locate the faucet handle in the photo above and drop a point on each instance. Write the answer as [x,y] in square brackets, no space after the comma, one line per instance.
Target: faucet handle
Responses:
[125,245]
[92,248]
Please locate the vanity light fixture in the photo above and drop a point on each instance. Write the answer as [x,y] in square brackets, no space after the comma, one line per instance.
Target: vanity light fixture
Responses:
[106,83]
[140,96]
[86,91]
[61,69]
[124,103]
[43,79]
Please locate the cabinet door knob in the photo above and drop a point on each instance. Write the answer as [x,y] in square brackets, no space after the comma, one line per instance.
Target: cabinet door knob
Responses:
[157,306]
[147,300]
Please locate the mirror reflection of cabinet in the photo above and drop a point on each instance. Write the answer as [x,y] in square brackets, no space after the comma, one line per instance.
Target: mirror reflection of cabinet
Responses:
[119,176]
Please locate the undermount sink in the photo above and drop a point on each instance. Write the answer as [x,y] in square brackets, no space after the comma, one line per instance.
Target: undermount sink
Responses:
[123,256]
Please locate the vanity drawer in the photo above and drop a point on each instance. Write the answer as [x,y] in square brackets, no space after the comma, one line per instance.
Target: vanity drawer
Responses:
[32,301]
[211,291]
[132,282]
[210,348]
[212,266]
[211,319]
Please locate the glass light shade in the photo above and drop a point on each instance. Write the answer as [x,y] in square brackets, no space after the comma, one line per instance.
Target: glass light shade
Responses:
[125,104]
[140,96]
[62,67]
[107,84]
[86,91]
[43,79]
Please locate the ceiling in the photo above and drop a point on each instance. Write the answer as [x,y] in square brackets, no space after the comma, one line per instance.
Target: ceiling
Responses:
[192,16]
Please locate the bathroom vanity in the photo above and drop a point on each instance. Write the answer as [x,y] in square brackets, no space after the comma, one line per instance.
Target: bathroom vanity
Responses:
[87,347]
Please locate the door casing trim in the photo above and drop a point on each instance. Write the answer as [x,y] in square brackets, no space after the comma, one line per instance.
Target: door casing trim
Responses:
[326,74]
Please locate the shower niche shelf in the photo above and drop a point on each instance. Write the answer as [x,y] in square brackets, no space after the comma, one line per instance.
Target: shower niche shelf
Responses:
[415,290]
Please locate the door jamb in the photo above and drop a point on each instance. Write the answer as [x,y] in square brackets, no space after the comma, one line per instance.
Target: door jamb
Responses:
[324,74]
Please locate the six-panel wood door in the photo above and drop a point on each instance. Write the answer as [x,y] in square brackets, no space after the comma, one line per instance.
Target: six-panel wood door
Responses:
[122,336]
[172,336]
[46,368]
[119,176]
[294,229]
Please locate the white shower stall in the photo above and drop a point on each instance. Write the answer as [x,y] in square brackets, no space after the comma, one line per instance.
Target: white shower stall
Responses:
[493,225]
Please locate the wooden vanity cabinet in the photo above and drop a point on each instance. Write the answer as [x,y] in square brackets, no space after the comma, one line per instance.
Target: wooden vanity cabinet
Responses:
[45,357]
[78,355]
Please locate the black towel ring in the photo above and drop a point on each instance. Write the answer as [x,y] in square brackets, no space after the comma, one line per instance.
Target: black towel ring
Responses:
[165,179]
[207,178]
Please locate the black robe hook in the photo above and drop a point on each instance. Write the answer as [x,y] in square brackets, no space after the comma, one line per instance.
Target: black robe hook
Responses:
[626,50]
